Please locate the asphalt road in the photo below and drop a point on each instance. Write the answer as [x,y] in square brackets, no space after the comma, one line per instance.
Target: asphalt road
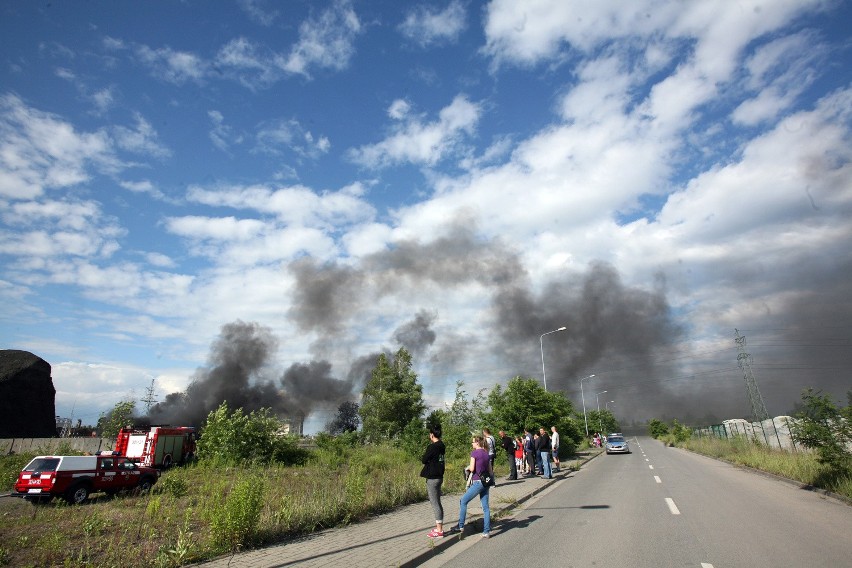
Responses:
[661,507]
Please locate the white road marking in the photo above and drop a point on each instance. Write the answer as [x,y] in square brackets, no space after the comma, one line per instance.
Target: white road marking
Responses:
[672,507]
[649,465]
[647,460]
[706,565]
[657,479]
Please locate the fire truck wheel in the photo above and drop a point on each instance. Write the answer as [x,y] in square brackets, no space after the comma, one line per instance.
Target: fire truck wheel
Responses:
[145,485]
[167,461]
[76,494]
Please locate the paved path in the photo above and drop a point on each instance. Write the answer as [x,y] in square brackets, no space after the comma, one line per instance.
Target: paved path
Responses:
[398,538]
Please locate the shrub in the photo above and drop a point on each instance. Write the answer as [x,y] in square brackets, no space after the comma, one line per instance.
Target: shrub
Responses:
[657,428]
[234,523]
[827,429]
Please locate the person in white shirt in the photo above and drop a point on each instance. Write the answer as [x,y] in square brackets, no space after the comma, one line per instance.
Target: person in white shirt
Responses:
[554,446]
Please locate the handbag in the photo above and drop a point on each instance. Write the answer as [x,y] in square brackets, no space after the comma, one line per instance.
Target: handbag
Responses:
[487,479]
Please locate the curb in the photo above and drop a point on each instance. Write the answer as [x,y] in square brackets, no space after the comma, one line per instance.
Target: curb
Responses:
[445,544]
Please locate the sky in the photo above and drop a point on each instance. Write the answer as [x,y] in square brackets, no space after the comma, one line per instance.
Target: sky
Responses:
[250,200]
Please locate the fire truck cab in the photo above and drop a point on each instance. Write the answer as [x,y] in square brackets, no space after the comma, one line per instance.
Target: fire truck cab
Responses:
[158,446]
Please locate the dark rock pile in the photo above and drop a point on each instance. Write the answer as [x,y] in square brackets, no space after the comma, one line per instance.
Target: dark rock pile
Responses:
[27,396]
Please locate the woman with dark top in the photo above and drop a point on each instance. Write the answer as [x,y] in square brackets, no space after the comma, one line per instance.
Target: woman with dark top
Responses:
[480,464]
[433,471]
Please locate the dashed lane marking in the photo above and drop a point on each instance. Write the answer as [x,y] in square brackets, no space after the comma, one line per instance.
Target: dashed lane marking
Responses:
[672,507]
[657,479]
[649,465]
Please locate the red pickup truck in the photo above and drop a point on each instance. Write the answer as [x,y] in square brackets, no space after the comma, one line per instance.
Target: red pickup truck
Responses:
[75,477]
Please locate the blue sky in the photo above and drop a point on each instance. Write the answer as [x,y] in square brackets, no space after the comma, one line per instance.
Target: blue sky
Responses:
[336,173]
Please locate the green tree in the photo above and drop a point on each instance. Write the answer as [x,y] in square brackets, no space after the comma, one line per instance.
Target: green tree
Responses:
[120,416]
[346,420]
[525,404]
[231,438]
[603,421]
[392,398]
[827,429]
[657,428]
[461,419]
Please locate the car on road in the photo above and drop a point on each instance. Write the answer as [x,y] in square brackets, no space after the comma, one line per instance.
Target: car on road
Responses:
[616,444]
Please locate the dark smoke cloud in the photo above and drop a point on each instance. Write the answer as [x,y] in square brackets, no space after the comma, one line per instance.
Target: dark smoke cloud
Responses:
[417,336]
[234,374]
[311,385]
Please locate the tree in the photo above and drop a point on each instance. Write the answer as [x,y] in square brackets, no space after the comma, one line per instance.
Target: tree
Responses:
[657,428]
[525,404]
[392,398]
[604,421]
[346,420]
[120,416]
[231,438]
[827,429]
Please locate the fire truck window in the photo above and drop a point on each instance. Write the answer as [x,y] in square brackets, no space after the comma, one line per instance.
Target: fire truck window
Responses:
[106,464]
[43,464]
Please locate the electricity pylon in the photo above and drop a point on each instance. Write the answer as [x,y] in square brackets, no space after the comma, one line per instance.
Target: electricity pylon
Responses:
[758,409]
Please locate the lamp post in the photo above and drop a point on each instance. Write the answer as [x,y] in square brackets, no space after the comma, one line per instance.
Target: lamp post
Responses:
[598,400]
[607,404]
[586,420]
[541,344]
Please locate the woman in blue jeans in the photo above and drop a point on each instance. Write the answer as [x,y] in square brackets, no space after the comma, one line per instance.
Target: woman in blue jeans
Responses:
[479,463]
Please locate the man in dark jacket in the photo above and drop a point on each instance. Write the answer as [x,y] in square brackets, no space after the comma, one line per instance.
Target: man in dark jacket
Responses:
[509,445]
[529,452]
[544,450]
[433,471]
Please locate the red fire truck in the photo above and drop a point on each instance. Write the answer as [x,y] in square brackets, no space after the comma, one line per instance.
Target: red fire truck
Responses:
[158,446]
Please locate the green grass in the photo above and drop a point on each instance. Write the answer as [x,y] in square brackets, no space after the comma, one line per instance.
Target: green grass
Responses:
[799,466]
[196,512]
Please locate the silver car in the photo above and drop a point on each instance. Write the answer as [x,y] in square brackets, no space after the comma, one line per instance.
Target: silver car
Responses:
[617,445]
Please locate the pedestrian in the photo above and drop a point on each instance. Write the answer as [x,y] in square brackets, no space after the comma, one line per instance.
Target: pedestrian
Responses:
[509,445]
[492,445]
[479,465]
[433,471]
[519,454]
[529,451]
[544,451]
[554,445]
[537,453]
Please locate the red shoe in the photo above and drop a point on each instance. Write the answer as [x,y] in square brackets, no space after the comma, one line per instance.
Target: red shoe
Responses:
[435,533]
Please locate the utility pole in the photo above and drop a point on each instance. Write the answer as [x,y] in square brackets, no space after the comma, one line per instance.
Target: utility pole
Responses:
[149,397]
[758,409]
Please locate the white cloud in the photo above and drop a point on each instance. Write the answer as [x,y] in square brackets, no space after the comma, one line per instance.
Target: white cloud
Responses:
[172,66]
[427,25]
[39,151]
[214,228]
[142,139]
[258,11]
[325,41]
[274,136]
[422,143]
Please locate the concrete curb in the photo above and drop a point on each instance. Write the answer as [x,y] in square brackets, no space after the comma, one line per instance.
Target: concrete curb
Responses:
[445,544]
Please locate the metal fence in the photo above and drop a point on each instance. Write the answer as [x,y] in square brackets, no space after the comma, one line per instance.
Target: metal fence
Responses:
[774,432]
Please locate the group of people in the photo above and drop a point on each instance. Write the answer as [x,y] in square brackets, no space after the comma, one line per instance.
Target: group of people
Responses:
[529,454]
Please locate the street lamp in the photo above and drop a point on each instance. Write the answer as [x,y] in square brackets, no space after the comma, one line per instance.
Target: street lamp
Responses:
[541,344]
[607,404]
[598,400]
[586,420]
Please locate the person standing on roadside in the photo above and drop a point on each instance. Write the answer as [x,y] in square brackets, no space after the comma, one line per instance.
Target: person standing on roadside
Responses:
[529,450]
[479,464]
[554,445]
[509,445]
[544,449]
[433,471]
[490,445]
